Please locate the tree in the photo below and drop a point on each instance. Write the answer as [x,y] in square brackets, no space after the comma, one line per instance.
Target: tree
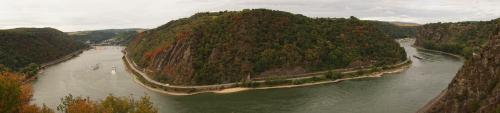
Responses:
[333,75]
[353,18]
[3,68]
[10,93]
[15,97]
[31,70]
[111,104]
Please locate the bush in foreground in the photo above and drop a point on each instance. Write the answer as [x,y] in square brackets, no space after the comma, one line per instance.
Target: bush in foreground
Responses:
[111,104]
[15,97]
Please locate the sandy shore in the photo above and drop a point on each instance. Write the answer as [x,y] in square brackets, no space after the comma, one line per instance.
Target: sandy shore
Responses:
[371,75]
[240,89]
[232,90]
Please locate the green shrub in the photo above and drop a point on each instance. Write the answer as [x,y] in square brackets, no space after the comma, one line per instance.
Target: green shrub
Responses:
[333,75]
[298,82]
[360,72]
[277,82]
[251,84]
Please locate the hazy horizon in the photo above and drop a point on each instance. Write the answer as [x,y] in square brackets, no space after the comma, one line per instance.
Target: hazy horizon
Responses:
[79,15]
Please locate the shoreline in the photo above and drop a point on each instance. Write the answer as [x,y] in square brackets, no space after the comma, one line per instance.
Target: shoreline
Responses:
[432,102]
[370,75]
[236,86]
[441,52]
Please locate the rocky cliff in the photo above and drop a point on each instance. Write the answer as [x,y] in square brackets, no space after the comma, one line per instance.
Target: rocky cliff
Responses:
[476,87]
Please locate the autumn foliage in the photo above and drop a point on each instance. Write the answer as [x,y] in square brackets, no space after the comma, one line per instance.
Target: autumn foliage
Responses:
[110,104]
[15,97]
[152,54]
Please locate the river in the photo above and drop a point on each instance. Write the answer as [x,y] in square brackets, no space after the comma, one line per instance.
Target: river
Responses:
[403,92]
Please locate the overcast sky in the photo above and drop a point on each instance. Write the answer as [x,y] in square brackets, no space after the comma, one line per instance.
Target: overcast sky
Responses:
[76,15]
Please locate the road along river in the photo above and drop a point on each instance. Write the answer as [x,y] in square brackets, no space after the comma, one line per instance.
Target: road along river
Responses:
[403,92]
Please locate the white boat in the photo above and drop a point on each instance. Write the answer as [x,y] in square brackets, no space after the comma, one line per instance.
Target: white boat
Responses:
[113,70]
[420,58]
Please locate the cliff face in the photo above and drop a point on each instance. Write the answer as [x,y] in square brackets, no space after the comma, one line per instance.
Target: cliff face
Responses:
[221,47]
[22,46]
[476,87]
[459,38]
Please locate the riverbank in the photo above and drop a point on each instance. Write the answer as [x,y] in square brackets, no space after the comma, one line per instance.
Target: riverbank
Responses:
[431,103]
[313,78]
[441,52]
[56,61]
[371,75]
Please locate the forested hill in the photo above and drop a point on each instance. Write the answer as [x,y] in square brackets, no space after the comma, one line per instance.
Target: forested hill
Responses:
[461,38]
[23,46]
[397,29]
[229,46]
[122,36]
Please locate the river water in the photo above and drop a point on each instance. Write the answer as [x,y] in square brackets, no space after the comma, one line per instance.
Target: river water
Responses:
[403,92]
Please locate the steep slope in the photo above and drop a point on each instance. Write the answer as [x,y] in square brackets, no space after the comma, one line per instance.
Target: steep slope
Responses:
[222,47]
[459,38]
[476,87]
[23,46]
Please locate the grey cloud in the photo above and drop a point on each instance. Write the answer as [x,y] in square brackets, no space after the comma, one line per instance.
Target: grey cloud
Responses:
[73,15]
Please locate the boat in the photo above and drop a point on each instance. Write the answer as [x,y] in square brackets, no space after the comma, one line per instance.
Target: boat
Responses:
[418,57]
[113,70]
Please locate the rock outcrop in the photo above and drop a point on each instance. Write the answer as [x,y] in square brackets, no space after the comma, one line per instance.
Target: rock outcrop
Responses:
[476,87]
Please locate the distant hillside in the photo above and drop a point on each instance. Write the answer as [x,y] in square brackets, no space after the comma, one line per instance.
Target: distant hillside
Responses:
[396,30]
[461,38]
[222,47]
[98,36]
[23,46]
[405,24]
